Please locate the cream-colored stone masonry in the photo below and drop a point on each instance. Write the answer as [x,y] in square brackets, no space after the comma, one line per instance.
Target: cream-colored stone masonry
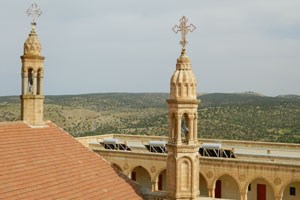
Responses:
[183,157]
[32,99]
[277,165]
[183,83]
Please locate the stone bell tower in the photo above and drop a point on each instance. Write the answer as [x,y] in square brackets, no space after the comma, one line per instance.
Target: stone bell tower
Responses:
[183,156]
[32,99]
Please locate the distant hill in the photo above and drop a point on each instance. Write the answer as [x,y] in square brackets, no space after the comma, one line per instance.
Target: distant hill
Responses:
[215,99]
[290,96]
[240,116]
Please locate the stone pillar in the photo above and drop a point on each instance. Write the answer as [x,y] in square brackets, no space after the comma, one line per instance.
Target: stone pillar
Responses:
[195,129]
[34,85]
[178,139]
[278,197]
[191,131]
[243,195]
[24,84]
[154,186]
[211,192]
[171,120]
[40,87]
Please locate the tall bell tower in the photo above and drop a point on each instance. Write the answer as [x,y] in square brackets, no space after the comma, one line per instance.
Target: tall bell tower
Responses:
[183,156]
[32,99]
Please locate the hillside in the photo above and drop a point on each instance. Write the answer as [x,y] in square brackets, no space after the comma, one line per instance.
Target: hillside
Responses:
[242,116]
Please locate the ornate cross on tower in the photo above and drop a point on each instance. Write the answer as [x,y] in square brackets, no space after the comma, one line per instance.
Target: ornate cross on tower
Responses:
[184,29]
[34,11]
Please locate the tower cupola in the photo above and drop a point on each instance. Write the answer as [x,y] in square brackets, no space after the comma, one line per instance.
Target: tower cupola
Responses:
[32,45]
[183,82]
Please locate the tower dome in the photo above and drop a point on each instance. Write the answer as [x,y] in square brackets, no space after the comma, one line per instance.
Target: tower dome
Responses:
[32,45]
[183,82]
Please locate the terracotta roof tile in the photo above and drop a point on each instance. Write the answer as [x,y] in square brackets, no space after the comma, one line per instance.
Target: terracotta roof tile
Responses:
[47,163]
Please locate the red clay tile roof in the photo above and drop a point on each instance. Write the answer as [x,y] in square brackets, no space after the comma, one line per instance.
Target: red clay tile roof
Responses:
[47,163]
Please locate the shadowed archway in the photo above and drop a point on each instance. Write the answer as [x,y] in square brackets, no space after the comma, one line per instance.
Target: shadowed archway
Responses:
[292,191]
[141,175]
[226,187]
[162,180]
[203,186]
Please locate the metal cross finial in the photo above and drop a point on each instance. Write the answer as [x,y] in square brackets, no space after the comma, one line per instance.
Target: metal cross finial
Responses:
[184,29]
[34,11]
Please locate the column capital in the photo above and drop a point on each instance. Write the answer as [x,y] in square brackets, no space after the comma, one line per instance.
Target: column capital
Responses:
[191,116]
[278,197]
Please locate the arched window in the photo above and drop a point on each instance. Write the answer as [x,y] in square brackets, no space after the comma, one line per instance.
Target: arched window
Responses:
[30,80]
[185,129]
[184,173]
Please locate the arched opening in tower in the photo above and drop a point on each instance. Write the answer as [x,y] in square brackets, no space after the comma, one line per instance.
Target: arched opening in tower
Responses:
[185,130]
[30,80]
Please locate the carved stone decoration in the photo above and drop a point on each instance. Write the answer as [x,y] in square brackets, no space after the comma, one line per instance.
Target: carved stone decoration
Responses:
[153,169]
[126,166]
[277,181]
[242,178]
[209,174]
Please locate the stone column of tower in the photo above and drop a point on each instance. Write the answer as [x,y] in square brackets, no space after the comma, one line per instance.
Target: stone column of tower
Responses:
[183,156]
[32,99]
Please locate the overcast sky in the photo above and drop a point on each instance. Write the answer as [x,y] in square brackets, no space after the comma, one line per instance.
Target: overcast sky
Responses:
[128,45]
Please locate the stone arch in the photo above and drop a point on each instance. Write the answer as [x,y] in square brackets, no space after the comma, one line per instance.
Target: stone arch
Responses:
[159,172]
[185,165]
[185,127]
[185,158]
[30,78]
[227,187]
[203,185]
[116,167]
[142,176]
[256,182]
[285,191]
[135,166]
[161,179]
